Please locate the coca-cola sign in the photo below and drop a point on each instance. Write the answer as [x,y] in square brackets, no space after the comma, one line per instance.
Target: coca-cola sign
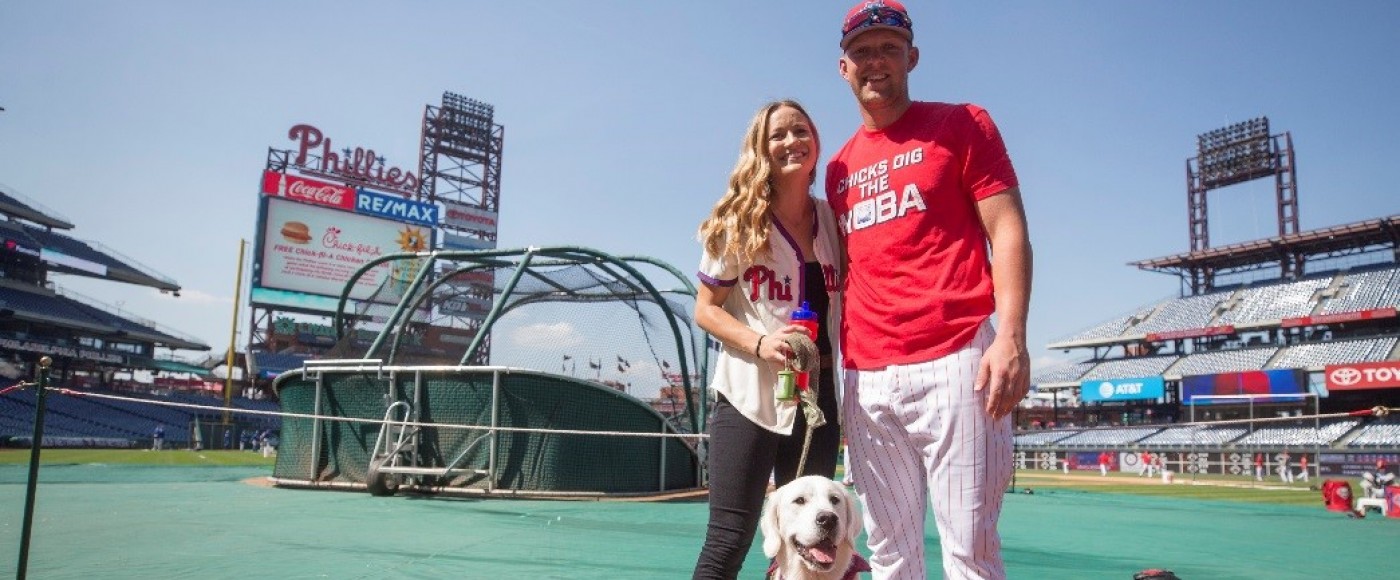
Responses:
[359,165]
[308,190]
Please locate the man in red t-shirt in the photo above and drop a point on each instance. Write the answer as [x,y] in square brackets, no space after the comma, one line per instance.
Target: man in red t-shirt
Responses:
[936,236]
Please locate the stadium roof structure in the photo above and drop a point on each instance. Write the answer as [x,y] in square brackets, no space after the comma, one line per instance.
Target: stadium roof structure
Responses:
[16,204]
[95,260]
[1325,242]
[42,306]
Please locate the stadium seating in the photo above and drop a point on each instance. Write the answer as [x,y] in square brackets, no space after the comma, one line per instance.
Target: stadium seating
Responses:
[1376,435]
[1324,353]
[1110,329]
[1277,435]
[1365,290]
[1043,438]
[85,251]
[1258,304]
[271,364]
[1108,437]
[1130,367]
[103,314]
[121,420]
[1182,313]
[1062,373]
[1222,361]
[44,305]
[1273,302]
[1194,435]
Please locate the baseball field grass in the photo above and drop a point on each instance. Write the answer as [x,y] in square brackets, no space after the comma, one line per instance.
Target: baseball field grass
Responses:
[1211,488]
[172,457]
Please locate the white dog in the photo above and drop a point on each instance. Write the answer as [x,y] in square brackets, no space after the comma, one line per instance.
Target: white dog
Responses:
[809,529]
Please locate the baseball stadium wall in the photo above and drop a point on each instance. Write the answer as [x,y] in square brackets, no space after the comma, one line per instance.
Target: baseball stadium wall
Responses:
[474,431]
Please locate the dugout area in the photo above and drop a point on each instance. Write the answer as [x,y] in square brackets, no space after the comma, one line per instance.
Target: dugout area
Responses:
[501,416]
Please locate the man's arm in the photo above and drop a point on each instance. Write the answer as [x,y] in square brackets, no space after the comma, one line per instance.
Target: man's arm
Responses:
[1005,367]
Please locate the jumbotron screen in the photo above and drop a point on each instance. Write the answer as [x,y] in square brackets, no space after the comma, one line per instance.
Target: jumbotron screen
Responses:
[314,250]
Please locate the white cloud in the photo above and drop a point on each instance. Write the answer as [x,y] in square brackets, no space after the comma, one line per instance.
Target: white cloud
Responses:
[1046,362]
[556,335]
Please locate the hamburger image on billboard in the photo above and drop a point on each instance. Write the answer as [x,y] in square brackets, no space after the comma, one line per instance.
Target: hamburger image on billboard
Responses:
[296,232]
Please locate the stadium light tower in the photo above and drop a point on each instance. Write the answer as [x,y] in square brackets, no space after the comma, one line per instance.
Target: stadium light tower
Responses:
[460,164]
[1235,154]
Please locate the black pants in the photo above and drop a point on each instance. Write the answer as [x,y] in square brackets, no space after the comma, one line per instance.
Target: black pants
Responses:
[741,455]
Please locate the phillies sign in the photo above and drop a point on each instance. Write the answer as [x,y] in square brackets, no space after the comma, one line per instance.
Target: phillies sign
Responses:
[1357,376]
[358,164]
[308,190]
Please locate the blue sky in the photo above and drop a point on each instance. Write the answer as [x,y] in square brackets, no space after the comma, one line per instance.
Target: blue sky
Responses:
[147,122]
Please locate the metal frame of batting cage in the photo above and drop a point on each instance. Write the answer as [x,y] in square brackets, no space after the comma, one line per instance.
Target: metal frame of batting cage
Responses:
[530,257]
[400,422]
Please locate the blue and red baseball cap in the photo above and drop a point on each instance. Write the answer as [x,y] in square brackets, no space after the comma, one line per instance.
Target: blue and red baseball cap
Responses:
[869,15]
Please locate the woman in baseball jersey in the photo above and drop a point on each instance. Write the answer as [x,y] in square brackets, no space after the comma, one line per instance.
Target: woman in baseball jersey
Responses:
[769,246]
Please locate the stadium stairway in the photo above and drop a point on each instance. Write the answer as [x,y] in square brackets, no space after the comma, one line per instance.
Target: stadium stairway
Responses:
[1346,438]
[1339,283]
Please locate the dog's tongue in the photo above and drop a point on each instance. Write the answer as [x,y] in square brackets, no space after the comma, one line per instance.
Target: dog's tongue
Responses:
[822,554]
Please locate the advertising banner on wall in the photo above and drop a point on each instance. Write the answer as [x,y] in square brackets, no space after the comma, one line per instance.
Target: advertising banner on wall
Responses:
[465,306]
[26,344]
[58,258]
[1233,463]
[1274,381]
[1122,389]
[1354,464]
[395,208]
[1358,376]
[451,242]
[306,190]
[466,217]
[314,250]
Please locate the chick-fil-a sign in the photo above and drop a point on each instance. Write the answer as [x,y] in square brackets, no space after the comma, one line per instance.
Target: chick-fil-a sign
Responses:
[358,164]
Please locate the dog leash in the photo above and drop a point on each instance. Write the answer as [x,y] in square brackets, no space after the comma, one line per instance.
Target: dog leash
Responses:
[808,360]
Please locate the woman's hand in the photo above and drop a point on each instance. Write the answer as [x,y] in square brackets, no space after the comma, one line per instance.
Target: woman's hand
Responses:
[775,348]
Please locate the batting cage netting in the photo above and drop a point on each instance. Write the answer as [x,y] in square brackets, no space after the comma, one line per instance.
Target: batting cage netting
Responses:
[541,371]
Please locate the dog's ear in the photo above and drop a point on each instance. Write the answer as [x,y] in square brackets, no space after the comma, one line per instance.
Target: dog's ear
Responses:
[852,516]
[768,523]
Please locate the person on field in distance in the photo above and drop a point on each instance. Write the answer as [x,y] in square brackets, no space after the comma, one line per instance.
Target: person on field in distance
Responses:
[768,246]
[937,241]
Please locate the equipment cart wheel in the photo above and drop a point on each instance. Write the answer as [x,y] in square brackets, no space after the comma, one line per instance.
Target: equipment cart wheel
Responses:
[381,484]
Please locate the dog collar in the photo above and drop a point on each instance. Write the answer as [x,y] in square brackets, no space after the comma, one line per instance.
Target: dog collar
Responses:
[858,565]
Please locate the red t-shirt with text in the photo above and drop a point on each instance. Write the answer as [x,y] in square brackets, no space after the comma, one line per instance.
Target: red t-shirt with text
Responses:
[919,283]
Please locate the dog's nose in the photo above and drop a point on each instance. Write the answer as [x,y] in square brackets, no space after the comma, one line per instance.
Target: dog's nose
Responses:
[827,520]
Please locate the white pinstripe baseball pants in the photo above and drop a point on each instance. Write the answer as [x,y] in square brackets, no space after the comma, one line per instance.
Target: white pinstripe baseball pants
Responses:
[919,433]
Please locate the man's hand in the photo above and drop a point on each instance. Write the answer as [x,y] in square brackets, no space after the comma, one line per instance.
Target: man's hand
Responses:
[1005,370]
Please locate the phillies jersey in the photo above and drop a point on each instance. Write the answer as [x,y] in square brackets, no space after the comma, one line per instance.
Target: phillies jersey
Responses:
[763,295]
[919,282]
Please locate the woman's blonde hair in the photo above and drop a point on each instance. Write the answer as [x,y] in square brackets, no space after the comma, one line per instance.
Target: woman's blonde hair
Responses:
[738,224]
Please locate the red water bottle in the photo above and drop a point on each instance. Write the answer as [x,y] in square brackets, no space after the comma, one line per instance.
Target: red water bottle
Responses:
[807,319]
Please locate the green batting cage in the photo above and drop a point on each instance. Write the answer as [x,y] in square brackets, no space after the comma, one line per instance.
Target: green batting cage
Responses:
[533,372]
